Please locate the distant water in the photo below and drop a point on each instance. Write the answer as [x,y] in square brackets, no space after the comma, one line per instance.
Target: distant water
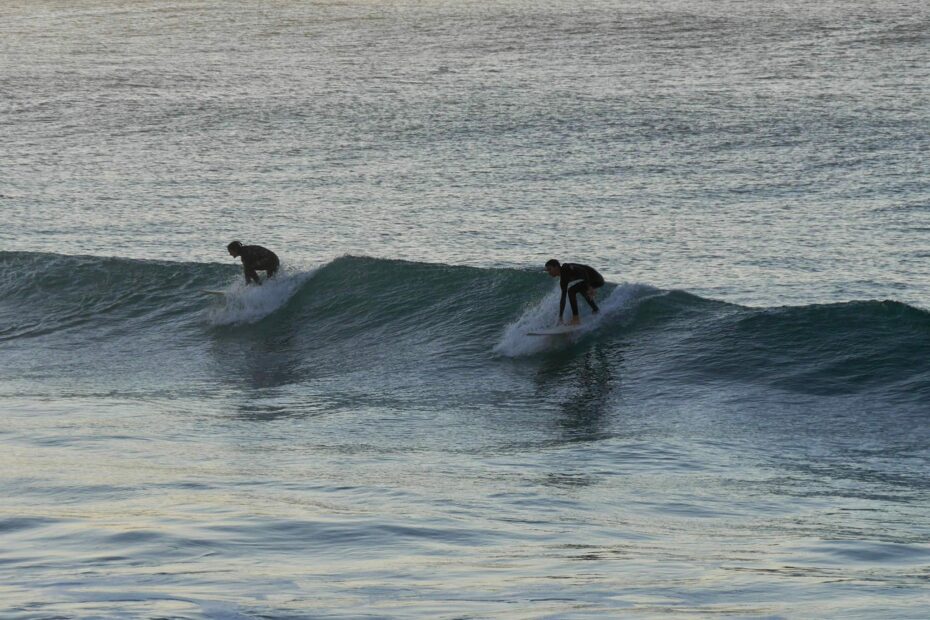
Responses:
[743,431]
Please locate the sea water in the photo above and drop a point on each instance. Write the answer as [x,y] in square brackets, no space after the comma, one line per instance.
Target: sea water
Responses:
[742,431]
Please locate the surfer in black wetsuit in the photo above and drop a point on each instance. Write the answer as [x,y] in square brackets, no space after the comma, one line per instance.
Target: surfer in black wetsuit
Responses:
[255,258]
[567,273]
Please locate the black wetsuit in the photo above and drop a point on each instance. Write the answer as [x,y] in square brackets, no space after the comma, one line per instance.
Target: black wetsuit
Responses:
[255,258]
[590,278]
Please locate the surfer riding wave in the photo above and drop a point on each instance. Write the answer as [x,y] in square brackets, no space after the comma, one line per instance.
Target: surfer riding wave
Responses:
[255,258]
[586,281]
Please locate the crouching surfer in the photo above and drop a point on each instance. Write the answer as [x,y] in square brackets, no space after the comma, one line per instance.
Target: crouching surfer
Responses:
[583,279]
[255,258]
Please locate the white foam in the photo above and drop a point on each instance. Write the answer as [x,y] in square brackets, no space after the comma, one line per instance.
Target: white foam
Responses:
[516,343]
[243,303]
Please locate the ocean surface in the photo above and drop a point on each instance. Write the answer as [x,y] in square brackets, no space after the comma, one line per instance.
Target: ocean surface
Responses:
[743,431]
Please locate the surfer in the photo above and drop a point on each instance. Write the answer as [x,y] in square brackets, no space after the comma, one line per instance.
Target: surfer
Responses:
[590,280]
[255,258]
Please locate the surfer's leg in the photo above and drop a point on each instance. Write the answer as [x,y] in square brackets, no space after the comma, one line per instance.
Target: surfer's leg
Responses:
[272,269]
[589,297]
[573,296]
[591,292]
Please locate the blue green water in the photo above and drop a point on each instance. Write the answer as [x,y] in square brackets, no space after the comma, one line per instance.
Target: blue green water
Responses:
[741,432]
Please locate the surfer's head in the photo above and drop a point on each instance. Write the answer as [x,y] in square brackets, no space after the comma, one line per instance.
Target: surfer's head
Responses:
[553,268]
[234,248]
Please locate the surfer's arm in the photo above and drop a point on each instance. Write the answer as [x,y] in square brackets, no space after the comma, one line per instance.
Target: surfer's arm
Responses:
[250,274]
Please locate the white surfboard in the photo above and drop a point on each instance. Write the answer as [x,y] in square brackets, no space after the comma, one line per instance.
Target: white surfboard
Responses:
[209,292]
[559,330]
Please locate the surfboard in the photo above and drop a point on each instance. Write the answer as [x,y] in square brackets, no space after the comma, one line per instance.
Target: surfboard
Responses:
[559,330]
[209,292]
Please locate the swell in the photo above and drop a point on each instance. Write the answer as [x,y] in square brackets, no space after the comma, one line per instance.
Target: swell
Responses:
[360,312]
[45,294]
[824,349]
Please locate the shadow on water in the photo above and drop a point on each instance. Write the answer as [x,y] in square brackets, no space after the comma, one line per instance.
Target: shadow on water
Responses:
[275,372]
[258,362]
[261,368]
[257,411]
[584,386]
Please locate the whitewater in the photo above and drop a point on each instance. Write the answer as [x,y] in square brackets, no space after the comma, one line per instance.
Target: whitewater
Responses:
[742,431]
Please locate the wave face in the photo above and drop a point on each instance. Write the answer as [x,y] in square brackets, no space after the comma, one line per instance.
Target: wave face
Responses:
[408,323]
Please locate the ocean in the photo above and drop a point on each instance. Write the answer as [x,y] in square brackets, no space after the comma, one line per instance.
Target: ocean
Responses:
[743,431]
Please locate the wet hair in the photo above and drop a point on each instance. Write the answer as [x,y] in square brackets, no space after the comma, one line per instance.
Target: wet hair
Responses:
[552,263]
[235,245]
